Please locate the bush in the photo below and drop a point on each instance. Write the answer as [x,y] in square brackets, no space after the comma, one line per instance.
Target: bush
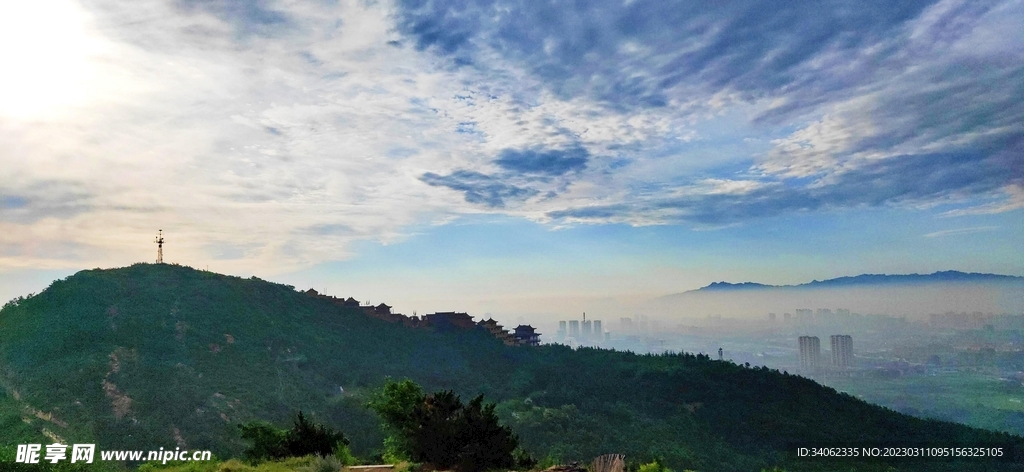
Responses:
[440,430]
[268,442]
[307,438]
[323,464]
[344,455]
[653,467]
[304,439]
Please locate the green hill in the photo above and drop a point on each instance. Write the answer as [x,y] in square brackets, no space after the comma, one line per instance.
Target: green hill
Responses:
[153,356]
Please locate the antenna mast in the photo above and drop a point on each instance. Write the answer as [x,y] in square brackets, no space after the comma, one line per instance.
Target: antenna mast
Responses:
[159,247]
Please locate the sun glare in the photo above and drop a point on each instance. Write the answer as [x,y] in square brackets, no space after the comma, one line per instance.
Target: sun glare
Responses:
[44,58]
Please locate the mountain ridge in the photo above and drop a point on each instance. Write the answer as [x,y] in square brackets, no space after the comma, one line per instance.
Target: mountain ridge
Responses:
[867,280]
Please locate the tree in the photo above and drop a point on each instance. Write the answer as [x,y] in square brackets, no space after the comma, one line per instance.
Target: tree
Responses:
[440,430]
[268,442]
[304,439]
[307,438]
[487,442]
[395,404]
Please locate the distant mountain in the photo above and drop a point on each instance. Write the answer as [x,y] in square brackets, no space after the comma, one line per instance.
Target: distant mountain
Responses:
[875,280]
[160,355]
[731,286]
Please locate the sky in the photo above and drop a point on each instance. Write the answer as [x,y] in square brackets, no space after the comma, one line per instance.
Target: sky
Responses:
[511,158]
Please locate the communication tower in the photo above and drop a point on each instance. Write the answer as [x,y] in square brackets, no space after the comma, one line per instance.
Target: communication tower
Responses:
[159,247]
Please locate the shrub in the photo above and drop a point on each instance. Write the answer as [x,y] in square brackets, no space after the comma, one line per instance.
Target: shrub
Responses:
[304,439]
[344,455]
[440,430]
[653,467]
[323,464]
[268,442]
[307,438]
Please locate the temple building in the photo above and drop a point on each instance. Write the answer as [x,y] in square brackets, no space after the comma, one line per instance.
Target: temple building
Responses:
[498,331]
[444,320]
[526,335]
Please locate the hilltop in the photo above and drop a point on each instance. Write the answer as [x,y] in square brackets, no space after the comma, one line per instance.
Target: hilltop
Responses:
[153,356]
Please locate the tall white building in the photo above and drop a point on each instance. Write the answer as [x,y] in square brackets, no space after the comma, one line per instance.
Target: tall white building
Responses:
[842,350]
[810,354]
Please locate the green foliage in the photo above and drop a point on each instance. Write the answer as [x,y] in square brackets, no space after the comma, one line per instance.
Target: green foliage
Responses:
[323,464]
[267,442]
[548,462]
[653,467]
[305,438]
[199,466]
[291,464]
[395,450]
[308,438]
[523,460]
[440,430]
[395,404]
[344,455]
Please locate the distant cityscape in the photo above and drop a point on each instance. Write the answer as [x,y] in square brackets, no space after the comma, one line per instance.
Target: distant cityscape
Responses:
[792,341]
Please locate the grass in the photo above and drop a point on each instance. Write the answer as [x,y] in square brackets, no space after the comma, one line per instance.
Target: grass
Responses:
[291,464]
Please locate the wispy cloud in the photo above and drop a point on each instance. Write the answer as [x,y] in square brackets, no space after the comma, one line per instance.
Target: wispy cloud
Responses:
[961,231]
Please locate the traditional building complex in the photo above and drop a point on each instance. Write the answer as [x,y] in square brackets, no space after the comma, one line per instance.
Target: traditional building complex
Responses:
[498,331]
[523,335]
[526,335]
[447,320]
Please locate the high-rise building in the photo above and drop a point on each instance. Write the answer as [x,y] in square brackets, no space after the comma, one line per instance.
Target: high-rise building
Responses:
[561,331]
[574,329]
[587,324]
[771,317]
[804,316]
[598,332]
[842,351]
[810,353]
[641,324]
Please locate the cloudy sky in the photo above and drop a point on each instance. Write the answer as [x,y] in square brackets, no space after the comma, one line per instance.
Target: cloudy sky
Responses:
[511,157]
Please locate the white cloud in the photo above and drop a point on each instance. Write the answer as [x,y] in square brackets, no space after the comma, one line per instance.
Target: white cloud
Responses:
[1014,201]
[959,231]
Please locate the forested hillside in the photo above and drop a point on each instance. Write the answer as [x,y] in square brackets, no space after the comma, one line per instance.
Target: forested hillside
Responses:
[153,356]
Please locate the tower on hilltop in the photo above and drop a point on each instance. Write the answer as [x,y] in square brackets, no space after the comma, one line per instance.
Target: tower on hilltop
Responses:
[159,247]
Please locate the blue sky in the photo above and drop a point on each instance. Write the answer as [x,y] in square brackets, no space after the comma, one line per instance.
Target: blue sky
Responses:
[512,157]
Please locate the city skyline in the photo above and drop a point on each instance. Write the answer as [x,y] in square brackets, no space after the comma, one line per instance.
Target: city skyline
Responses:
[508,158]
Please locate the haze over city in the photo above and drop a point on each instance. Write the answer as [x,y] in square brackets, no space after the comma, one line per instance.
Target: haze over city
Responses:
[514,159]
